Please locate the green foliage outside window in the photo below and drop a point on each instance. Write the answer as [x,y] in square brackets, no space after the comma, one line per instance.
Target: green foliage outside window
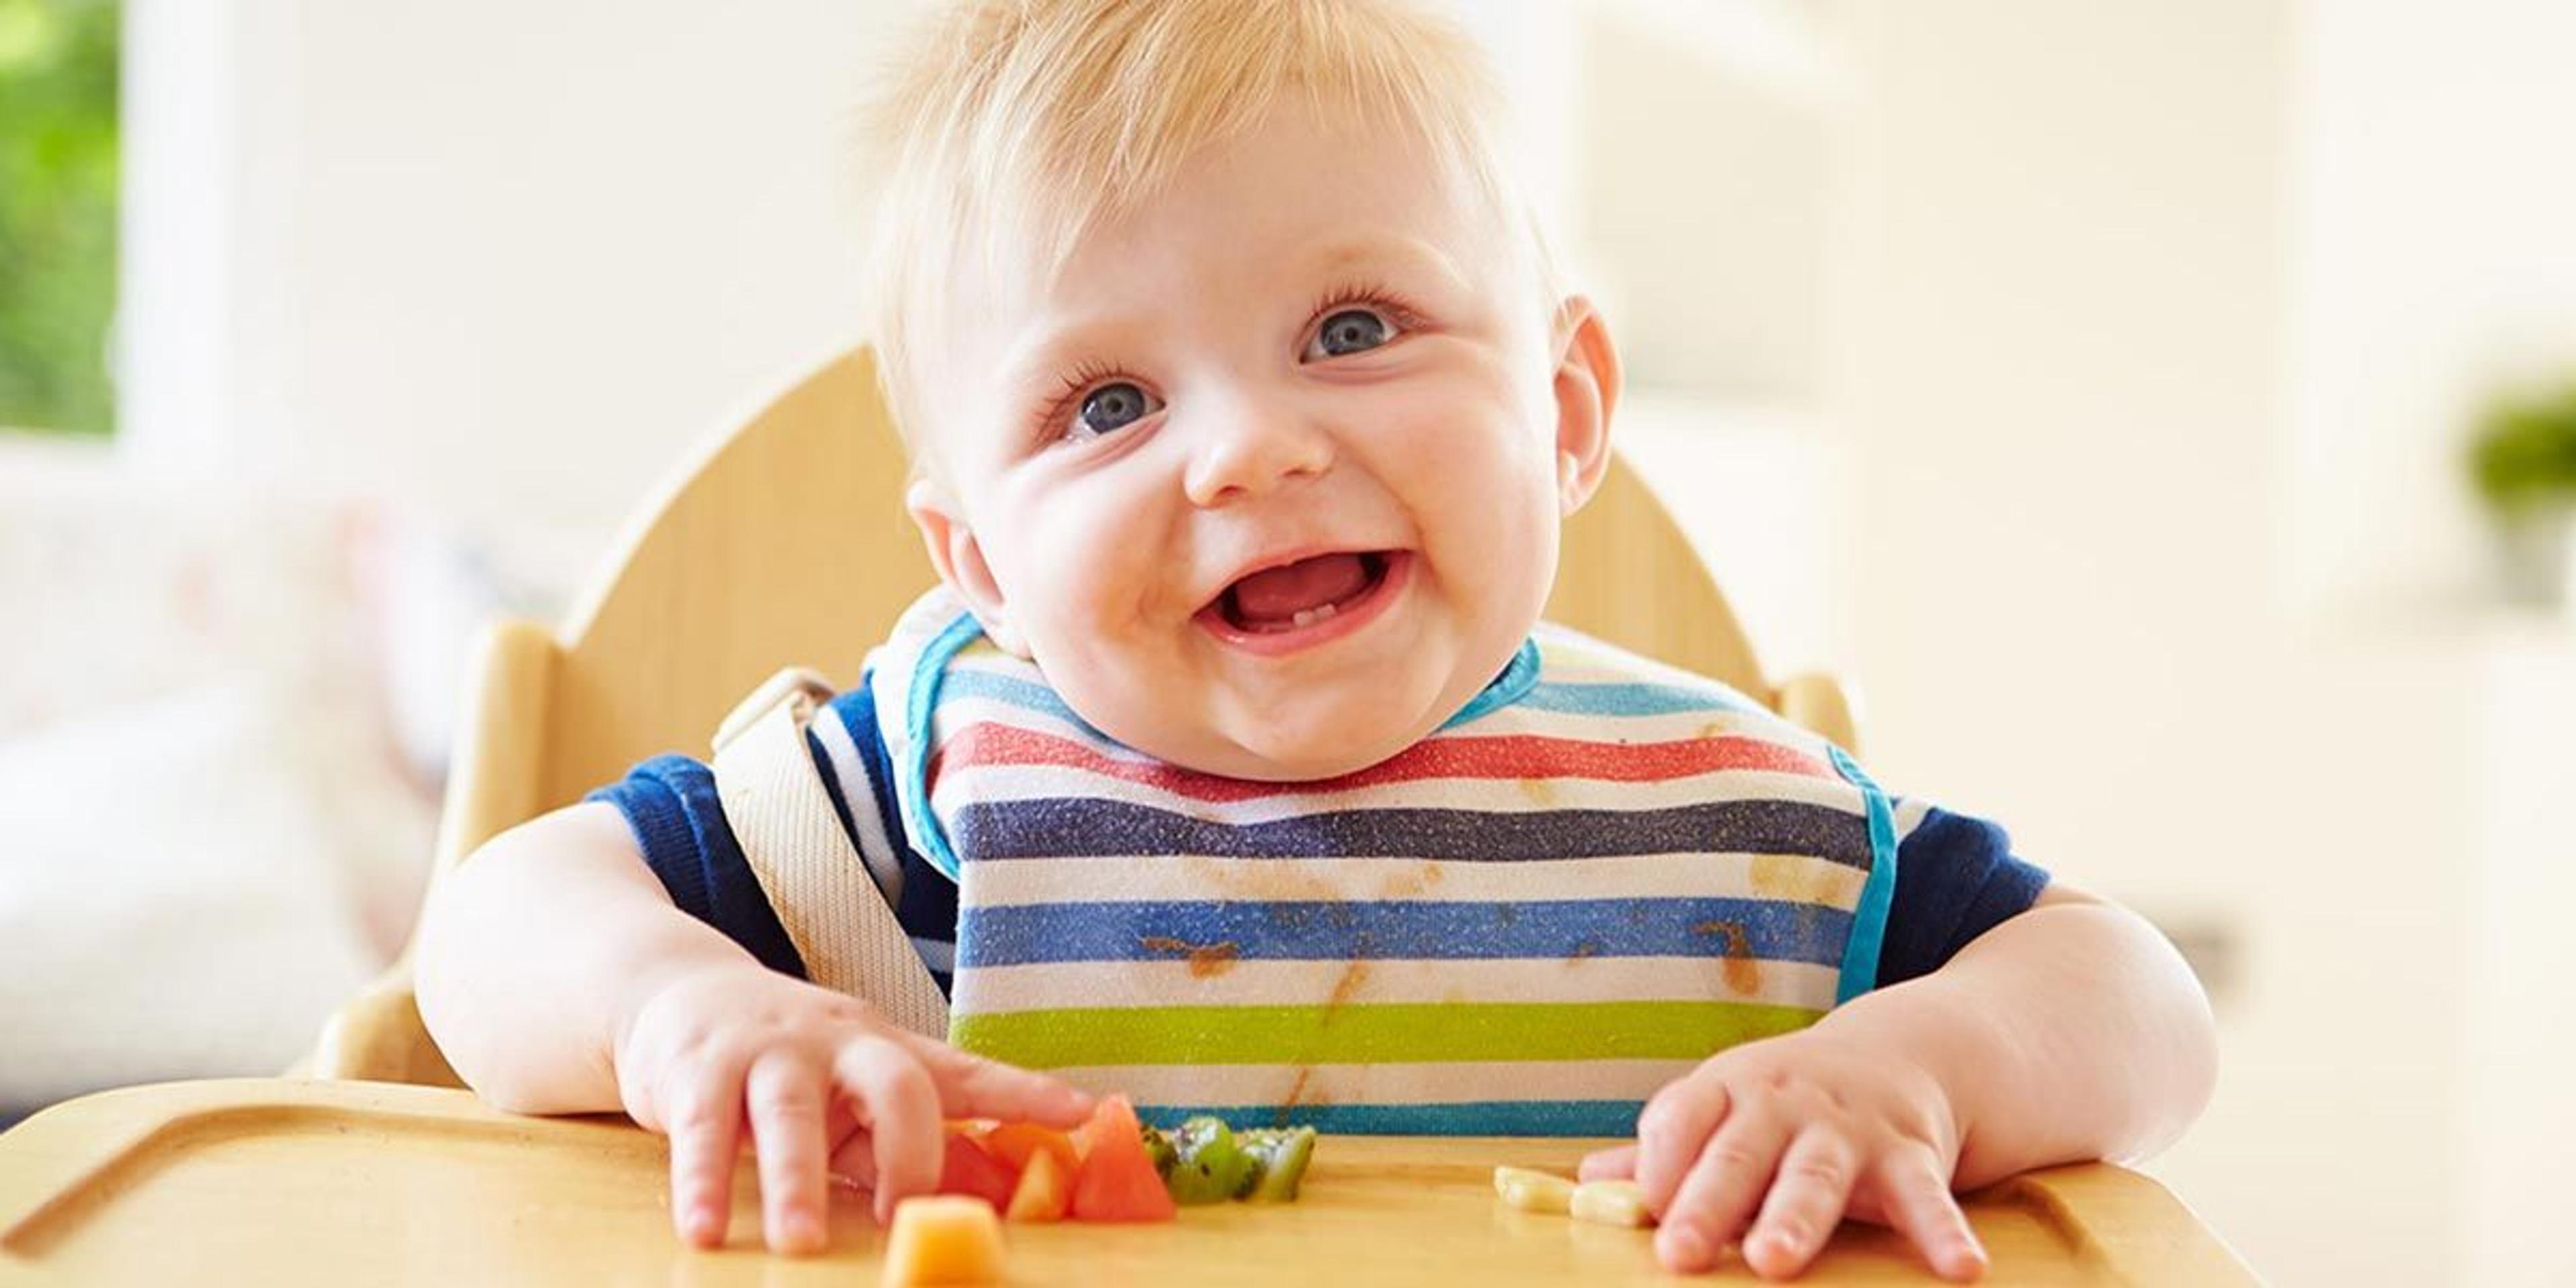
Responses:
[57,213]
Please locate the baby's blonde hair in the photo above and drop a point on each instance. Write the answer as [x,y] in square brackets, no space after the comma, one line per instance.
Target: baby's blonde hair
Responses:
[1011,127]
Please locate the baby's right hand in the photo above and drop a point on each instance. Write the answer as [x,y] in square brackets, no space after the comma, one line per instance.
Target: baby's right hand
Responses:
[824,1083]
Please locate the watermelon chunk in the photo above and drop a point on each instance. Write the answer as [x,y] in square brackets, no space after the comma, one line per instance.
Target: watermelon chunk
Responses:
[1117,1181]
[1015,1143]
[968,1169]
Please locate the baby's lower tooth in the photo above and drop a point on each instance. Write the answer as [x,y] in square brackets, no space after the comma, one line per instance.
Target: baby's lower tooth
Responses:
[1305,617]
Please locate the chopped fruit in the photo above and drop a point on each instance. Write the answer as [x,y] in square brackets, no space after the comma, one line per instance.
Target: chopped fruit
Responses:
[1015,1143]
[944,1239]
[1610,1203]
[1158,1147]
[1206,1165]
[1045,1192]
[1534,1191]
[1097,1170]
[1278,1162]
[1117,1180]
[968,1169]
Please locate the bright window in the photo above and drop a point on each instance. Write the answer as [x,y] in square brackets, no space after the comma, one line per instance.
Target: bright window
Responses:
[58,164]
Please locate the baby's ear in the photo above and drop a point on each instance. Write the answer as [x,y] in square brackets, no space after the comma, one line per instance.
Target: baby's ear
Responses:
[1587,391]
[959,558]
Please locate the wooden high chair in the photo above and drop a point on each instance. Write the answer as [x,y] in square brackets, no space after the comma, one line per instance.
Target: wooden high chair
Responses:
[788,544]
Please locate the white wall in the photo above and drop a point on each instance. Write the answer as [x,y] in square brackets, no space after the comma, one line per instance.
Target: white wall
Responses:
[2059,298]
[2434,199]
[2150,329]
[501,261]
[2433,217]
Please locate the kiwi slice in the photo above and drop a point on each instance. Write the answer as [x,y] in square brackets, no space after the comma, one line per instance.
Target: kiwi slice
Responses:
[1279,1160]
[1207,1165]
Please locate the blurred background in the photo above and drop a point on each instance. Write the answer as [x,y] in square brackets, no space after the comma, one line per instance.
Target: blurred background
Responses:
[2160,408]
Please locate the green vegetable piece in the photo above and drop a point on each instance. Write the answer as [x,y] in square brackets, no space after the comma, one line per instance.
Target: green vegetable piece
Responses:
[1158,1147]
[1279,1162]
[1207,1165]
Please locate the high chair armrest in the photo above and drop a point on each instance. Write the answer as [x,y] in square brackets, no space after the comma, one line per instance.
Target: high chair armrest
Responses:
[378,1037]
[493,783]
[1822,704]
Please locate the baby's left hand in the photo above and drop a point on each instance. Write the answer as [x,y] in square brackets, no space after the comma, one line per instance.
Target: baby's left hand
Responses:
[1775,1141]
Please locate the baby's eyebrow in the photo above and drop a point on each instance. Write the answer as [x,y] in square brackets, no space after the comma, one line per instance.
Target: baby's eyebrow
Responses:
[1038,368]
[1413,252]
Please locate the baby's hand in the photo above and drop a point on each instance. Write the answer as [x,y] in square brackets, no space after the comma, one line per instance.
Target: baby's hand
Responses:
[1776,1140]
[824,1084]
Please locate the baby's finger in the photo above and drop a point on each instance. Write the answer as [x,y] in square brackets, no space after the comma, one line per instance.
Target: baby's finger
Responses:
[1806,1203]
[839,1125]
[786,1099]
[900,1109]
[1717,1198]
[703,1118]
[1617,1163]
[1670,1134]
[854,1162]
[1918,1202]
[971,1086]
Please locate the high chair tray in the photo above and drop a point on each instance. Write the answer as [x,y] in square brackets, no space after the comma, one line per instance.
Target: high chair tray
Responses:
[277,1181]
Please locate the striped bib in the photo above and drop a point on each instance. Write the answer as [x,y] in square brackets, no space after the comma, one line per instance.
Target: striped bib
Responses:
[1599,873]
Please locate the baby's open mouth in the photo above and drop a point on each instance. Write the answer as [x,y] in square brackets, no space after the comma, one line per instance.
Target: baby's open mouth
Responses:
[1308,592]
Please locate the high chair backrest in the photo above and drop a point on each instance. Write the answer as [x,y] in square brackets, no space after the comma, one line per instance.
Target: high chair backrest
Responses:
[788,544]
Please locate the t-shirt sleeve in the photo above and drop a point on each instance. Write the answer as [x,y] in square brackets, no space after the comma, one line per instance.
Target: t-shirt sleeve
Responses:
[671,805]
[1956,879]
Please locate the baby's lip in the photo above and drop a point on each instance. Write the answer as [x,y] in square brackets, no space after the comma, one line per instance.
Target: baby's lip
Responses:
[1282,558]
[1390,576]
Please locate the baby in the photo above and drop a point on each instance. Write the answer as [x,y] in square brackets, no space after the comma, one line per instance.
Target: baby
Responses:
[1230,765]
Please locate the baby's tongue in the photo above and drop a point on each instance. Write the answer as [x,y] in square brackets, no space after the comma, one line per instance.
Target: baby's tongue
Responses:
[1276,595]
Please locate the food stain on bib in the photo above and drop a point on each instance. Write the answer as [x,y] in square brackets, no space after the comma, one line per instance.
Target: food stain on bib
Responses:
[1743,973]
[1205,959]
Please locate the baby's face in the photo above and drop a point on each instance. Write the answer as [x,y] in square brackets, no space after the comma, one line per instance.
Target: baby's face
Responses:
[1268,481]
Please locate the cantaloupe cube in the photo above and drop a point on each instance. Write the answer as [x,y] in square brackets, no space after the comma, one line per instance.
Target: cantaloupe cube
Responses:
[944,1239]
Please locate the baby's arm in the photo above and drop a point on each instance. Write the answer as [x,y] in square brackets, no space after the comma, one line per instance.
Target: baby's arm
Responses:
[2072,1031]
[540,947]
[558,977]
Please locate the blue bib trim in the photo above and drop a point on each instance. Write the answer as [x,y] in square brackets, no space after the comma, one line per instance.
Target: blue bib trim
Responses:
[1519,676]
[920,698]
[1877,894]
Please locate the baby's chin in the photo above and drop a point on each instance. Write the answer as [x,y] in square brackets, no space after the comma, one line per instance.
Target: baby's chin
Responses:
[1280,752]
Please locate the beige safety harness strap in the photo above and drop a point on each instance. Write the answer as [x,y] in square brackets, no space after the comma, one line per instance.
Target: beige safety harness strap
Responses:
[817,883]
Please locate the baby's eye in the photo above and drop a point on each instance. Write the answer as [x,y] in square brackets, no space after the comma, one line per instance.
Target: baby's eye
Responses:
[1349,331]
[1113,407]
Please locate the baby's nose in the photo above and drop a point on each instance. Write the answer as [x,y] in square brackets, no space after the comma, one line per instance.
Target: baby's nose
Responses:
[1249,449]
